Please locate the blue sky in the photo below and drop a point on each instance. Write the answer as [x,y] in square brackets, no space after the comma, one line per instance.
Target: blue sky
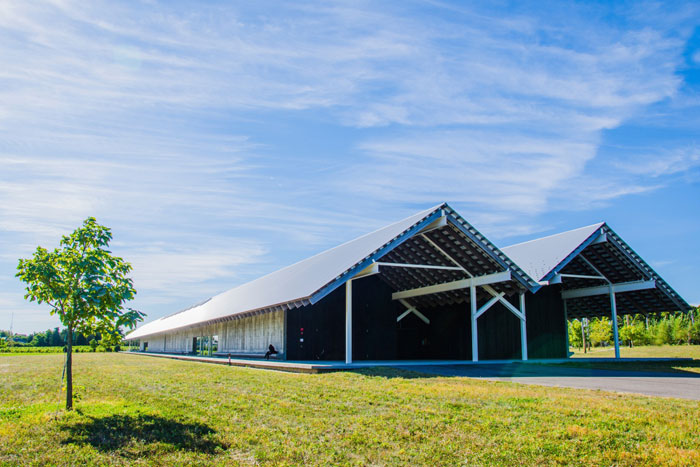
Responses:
[221,141]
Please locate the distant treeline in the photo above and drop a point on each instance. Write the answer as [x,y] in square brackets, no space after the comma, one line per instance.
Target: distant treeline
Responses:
[653,329]
[51,338]
[25,349]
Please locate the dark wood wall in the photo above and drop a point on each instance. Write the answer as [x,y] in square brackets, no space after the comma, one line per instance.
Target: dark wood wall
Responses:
[377,335]
[546,324]
[374,325]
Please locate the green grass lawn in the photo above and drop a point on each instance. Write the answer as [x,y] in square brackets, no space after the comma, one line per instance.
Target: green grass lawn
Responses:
[137,410]
[646,351]
[660,351]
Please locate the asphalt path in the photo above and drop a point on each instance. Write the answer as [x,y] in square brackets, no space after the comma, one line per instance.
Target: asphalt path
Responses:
[679,385]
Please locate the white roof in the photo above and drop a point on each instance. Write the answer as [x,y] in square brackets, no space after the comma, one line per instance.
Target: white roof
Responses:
[295,283]
[538,257]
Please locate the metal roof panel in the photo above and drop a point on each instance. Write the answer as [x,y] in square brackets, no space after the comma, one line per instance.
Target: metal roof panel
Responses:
[541,256]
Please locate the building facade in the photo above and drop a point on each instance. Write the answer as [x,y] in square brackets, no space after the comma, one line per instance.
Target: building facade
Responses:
[427,287]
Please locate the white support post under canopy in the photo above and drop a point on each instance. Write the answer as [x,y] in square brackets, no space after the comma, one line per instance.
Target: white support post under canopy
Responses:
[348,322]
[498,297]
[475,337]
[523,328]
[613,308]
[610,289]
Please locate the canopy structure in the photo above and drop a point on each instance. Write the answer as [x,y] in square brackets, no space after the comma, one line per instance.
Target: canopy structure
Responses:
[436,261]
[599,274]
[588,262]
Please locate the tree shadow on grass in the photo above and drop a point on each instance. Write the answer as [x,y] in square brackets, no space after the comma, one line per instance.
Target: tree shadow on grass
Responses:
[118,432]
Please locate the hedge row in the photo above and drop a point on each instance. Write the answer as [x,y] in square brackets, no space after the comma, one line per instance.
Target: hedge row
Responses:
[56,349]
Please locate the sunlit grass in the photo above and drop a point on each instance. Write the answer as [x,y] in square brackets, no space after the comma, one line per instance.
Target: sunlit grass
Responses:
[650,351]
[136,410]
[645,351]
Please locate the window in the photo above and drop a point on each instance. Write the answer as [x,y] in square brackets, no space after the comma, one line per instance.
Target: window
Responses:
[205,345]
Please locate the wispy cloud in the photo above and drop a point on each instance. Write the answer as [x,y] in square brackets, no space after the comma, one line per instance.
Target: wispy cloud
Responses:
[223,141]
[665,162]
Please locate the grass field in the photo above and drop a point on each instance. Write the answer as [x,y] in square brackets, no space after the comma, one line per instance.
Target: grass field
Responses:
[136,410]
[647,351]
[663,351]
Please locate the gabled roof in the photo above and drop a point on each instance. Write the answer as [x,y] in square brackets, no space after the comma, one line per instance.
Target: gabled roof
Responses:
[539,257]
[414,240]
[308,281]
[578,252]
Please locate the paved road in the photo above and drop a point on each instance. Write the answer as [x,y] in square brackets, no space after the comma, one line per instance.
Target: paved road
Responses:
[680,385]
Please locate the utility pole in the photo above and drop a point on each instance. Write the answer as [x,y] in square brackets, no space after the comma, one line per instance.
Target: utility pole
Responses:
[12,322]
[583,333]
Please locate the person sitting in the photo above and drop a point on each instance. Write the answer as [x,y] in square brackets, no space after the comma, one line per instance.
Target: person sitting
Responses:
[270,351]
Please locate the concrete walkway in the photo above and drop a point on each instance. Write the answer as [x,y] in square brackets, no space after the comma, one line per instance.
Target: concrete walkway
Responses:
[680,385]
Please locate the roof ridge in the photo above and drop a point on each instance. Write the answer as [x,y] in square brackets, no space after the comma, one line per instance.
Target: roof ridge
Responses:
[597,224]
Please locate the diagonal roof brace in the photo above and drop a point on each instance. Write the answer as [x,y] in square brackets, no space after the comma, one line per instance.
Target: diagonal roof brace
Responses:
[411,309]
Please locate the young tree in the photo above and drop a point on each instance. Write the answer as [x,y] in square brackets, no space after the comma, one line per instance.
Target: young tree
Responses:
[575,338]
[633,333]
[601,330]
[84,284]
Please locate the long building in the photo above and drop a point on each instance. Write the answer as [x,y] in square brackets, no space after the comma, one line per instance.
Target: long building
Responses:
[427,287]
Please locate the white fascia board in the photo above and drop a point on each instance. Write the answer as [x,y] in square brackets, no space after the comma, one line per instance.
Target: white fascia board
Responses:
[370,270]
[454,285]
[605,289]
[438,223]
[602,238]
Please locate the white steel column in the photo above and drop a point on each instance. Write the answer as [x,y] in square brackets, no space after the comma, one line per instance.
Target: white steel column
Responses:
[613,306]
[566,323]
[523,328]
[475,338]
[348,322]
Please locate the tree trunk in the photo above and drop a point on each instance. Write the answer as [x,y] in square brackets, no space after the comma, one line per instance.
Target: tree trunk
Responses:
[69,369]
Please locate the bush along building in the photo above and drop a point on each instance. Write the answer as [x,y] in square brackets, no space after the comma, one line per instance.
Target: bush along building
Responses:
[427,287]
